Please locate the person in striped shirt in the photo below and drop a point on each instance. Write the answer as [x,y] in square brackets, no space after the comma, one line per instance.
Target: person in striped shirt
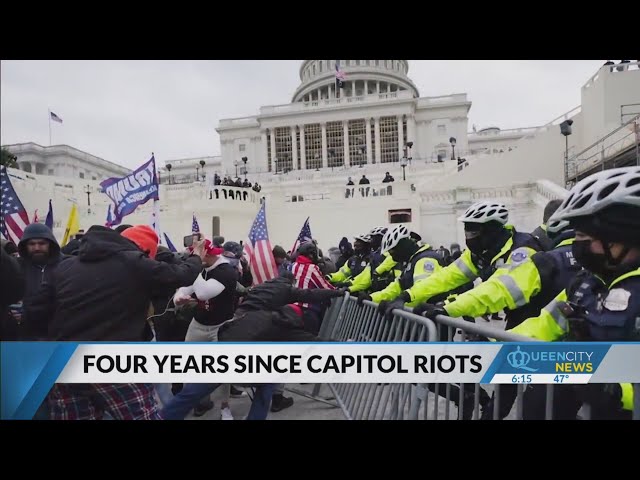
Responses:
[308,276]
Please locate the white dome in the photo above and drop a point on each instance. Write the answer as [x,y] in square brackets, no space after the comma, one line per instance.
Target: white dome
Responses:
[318,74]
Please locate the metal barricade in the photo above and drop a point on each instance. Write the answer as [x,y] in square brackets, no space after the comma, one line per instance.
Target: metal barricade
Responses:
[346,321]
[376,401]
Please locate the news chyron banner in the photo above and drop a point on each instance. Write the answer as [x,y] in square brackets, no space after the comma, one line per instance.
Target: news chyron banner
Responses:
[30,369]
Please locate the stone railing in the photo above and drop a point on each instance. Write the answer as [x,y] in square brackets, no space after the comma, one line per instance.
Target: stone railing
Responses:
[356,192]
[550,190]
[217,193]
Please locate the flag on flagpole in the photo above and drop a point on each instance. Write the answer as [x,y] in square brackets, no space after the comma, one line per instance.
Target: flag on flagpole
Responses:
[13,216]
[55,117]
[73,225]
[109,218]
[170,245]
[259,251]
[155,220]
[35,217]
[304,236]
[195,228]
[49,220]
[129,192]
[340,78]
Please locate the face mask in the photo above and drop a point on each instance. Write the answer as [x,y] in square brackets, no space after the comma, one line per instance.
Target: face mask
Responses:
[403,251]
[594,262]
[475,245]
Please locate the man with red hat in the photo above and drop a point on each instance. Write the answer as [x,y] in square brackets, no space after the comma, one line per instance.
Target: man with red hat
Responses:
[102,295]
[214,290]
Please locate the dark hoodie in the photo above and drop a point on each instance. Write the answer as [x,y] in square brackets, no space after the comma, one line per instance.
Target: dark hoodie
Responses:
[346,252]
[103,293]
[266,314]
[35,275]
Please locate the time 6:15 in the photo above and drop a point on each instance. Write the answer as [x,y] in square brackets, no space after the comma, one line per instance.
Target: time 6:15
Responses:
[521,379]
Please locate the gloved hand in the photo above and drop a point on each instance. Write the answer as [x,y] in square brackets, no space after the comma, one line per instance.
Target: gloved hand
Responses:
[362,296]
[429,310]
[579,330]
[386,308]
[603,397]
[342,284]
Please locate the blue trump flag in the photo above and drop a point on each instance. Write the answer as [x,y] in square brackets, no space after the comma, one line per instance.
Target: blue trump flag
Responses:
[170,245]
[127,193]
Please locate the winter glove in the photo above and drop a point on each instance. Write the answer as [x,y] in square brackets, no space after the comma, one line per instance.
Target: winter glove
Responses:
[386,308]
[429,310]
[603,397]
[579,329]
[362,296]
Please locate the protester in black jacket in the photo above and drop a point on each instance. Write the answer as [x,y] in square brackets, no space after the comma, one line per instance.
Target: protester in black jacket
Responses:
[266,315]
[39,256]
[12,291]
[167,327]
[103,294]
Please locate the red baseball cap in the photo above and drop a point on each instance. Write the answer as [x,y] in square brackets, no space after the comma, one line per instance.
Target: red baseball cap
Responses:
[211,249]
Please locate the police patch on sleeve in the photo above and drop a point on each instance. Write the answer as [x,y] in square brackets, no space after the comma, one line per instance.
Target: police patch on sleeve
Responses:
[519,256]
[617,300]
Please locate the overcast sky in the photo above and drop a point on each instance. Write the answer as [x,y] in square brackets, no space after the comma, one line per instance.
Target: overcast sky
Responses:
[123,110]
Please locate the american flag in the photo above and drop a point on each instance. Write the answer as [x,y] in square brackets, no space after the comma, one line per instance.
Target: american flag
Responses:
[36,219]
[340,75]
[259,252]
[13,216]
[195,228]
[305,235]
[55,117]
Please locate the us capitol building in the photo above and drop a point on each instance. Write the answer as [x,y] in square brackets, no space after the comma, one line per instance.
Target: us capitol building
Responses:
[303,152]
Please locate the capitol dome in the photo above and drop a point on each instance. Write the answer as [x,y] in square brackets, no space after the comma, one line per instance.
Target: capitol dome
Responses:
[363,77]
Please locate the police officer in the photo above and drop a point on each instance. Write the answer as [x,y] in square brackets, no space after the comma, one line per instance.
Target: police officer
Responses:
[382,268]
[493,248]
[420,261]
[603,301]
[355,265]
[524,290]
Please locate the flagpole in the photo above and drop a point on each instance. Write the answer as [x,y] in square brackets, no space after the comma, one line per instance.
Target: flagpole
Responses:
[49,127]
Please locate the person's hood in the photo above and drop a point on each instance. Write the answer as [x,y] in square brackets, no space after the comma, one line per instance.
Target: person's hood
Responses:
[345,245]
[38,230]
[102,242]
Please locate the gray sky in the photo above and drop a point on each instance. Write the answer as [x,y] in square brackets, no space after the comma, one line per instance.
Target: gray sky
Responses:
[123,110]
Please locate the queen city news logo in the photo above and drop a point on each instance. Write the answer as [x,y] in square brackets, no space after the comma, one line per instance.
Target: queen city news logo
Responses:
[538,359]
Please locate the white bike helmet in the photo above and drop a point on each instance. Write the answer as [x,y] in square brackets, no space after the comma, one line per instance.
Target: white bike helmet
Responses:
[363,238]
[378,231]
[618,186]
[483,212]
[393,237]
[556,226]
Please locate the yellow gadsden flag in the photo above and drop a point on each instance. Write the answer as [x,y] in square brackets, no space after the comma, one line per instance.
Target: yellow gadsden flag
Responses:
[73,225]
